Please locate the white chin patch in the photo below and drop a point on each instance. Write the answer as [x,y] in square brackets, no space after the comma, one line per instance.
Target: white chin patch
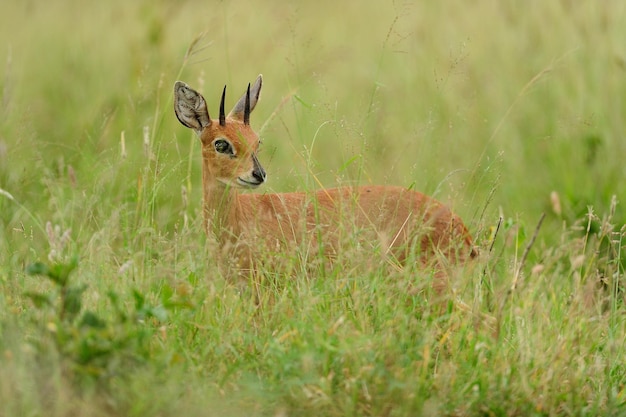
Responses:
[239,183]
[229,182]
[245,183]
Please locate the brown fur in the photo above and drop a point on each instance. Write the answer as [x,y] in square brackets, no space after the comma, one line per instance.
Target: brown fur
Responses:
[393,219]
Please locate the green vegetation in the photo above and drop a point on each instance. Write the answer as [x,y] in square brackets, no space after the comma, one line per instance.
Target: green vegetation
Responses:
[110,299]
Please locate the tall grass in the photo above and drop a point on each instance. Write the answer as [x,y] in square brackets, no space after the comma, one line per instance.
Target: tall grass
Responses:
[505,112]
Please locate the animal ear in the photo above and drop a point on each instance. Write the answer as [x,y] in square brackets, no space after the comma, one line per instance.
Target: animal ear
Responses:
[190,107]
[239,111]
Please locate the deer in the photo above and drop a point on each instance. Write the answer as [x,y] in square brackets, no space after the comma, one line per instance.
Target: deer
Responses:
[391,220]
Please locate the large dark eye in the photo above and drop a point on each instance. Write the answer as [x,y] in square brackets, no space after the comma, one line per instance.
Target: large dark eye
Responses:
[223,146]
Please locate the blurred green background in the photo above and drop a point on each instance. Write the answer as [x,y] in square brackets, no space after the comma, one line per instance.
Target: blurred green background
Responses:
[501,109]
[454,99]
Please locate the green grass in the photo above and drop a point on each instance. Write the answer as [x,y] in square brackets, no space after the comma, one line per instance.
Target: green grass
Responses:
[492,107]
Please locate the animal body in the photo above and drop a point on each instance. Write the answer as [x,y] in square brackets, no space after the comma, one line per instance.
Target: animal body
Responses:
[388,220]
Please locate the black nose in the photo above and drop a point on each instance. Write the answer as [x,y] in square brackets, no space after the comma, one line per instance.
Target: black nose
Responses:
[258,172]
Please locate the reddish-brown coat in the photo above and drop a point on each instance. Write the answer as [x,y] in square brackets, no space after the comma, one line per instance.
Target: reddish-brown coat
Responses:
[392,219]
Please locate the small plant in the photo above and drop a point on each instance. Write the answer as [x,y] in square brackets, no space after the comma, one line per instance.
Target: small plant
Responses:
[93,345]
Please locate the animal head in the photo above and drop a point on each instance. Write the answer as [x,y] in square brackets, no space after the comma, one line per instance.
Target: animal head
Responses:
[229,145]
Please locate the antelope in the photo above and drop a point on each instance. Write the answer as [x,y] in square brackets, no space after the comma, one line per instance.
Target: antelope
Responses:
[390,219]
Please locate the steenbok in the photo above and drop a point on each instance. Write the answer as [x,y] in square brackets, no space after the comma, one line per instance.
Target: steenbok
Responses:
[394,223]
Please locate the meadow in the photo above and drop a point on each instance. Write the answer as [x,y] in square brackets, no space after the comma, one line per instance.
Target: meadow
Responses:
[111,302]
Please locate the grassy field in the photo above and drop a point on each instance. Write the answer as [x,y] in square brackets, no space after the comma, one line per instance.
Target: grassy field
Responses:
[111,303]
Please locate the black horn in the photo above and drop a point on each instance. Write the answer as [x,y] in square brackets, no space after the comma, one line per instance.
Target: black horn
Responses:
[246,109]
[222,114]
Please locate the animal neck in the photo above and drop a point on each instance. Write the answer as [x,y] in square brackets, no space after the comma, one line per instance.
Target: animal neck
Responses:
[221,210]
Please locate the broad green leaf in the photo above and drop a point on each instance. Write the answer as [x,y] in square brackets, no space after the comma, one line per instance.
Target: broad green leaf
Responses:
[90,319]
[37,268]
[40,300]
[72,301]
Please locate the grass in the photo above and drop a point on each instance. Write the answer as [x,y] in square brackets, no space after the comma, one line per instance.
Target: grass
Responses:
[503,112]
